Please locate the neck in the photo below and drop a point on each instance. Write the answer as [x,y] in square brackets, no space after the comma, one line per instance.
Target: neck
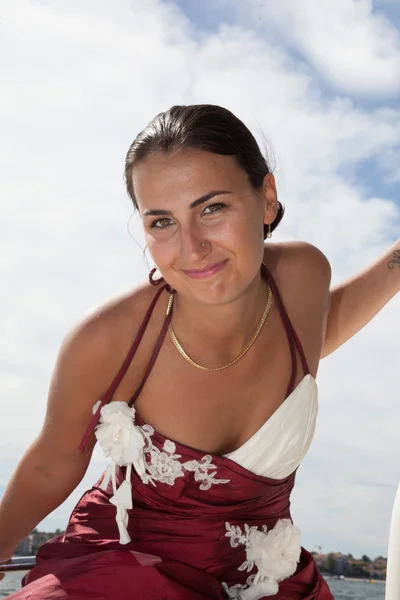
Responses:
[215,335]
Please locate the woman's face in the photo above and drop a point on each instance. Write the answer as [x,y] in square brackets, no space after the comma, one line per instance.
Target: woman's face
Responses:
[203,222]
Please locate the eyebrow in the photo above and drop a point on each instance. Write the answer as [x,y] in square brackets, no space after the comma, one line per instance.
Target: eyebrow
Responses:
[201,200]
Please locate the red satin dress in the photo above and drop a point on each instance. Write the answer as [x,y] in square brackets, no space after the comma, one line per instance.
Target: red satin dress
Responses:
[185,529]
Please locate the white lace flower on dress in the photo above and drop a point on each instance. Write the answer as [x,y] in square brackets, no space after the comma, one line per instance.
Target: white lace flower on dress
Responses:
[201,469]
[124,443]
[275,553]
[117,434]
[163,465]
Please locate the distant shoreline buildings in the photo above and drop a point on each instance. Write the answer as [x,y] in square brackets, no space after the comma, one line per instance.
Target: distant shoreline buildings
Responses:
[31,544]
[345,565]
[333,563]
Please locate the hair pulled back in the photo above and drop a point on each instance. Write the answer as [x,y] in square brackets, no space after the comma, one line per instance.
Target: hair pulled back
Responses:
[203,127]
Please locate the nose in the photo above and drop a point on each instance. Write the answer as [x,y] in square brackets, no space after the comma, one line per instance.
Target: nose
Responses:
[194,246]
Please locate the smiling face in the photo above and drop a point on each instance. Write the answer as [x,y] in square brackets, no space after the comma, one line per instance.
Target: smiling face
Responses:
[203,222]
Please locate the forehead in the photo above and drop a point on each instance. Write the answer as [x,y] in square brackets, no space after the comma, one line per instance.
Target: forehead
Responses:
[184,175]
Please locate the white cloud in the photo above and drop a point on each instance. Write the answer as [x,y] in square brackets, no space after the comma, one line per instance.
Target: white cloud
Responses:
[82,78]
[353,47]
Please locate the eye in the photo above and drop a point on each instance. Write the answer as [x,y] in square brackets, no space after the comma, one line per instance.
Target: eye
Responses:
[212,208]
[161,223]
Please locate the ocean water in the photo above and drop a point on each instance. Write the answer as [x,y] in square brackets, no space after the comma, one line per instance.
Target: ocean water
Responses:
[341,589]
[11,583]
[348,589]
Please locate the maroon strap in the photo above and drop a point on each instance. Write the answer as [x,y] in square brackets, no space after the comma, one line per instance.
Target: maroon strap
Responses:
[124,367]
[292,337]
[303,359]
[153,359]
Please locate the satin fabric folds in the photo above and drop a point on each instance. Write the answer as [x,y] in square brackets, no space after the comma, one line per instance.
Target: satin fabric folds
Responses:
[178,549]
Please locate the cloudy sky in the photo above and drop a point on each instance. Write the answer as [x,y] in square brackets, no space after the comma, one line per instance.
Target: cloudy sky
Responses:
[321,81]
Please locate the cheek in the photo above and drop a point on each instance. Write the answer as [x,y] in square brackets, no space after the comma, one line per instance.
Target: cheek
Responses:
[243,230]
[247,235]
[228,229]
[162,250]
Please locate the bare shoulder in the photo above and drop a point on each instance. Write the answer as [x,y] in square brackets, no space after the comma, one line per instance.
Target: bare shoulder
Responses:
[88,360]
[299,265]
[303,275]
[115,319]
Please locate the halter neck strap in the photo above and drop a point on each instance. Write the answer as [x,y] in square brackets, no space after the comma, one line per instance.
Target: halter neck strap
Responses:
[293,340]
[124,367]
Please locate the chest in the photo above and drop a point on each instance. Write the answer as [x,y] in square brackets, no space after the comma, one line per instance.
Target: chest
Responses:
[217,411]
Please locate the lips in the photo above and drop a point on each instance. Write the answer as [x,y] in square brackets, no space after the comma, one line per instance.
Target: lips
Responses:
[207,271]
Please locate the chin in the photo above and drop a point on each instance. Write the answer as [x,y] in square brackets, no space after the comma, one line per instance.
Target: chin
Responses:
[215,294]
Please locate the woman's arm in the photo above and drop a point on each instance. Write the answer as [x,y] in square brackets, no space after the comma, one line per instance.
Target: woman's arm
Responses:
[52,467]
[357,300]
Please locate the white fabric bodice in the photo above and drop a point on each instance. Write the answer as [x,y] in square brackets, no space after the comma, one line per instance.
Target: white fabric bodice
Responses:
[279,446]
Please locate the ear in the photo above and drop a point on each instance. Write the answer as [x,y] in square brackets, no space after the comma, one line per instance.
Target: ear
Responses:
[270,198]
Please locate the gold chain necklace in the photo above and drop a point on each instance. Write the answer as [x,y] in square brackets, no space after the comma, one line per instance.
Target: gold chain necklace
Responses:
[235,360]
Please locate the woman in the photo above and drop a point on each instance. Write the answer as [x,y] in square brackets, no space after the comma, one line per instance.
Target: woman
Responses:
[215,403]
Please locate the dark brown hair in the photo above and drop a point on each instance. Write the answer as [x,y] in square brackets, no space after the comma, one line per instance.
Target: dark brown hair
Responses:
[203,127]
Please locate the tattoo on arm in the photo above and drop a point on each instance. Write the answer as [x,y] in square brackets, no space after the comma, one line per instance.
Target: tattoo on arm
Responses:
[395,260]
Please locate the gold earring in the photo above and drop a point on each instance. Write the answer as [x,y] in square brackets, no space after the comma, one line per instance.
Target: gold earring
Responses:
[269,233]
